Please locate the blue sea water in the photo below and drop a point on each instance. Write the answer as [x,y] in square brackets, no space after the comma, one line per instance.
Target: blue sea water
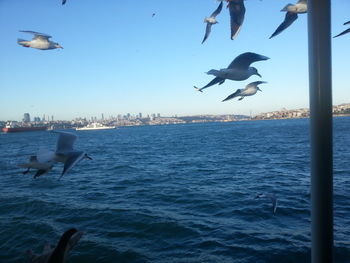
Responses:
[174,193]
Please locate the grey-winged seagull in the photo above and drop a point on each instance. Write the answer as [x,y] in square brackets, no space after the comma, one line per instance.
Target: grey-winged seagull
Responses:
[237,11]
[292,14]
[273,199]
[39,41]
[239,69]
[45,159]
[58,254]
[345,31]
[211,21]
[249,90]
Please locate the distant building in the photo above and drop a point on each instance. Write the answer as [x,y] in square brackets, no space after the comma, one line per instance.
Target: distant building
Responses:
[37,119]
[26,117]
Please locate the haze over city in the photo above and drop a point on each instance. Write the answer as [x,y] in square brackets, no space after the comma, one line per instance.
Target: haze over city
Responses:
[123,60]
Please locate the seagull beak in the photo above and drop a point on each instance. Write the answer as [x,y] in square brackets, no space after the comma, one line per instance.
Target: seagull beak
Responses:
[259,89]
[88,157]
[258,74]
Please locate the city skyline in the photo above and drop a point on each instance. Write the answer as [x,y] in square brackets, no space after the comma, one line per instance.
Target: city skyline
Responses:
[118,58]
[296,112]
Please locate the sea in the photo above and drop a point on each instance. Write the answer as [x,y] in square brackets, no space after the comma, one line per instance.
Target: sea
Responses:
[174,193]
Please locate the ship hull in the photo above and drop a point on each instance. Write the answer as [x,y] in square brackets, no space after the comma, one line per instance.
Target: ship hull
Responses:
[24,129]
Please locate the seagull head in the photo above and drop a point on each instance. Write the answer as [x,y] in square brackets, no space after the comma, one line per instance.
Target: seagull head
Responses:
[254,71]
[87,156]
[58,45]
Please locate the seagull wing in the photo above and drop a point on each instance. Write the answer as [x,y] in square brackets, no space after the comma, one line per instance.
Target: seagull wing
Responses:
[302,2]
[343,33]
[244,60]
[347,23]
[237,11]
[74,240]
[233,95]
[37,35]
[59,253]
[72,159]
[217,11]
[215,80]
[40,172]
[288,20]
[207,32]
[65,141]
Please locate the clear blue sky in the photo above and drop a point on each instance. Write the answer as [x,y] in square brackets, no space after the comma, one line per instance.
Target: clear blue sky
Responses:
[117,59]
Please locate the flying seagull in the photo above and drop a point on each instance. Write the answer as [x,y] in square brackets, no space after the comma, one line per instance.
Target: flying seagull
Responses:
[345,31]
[39,41]
[65,152]
[211,21]
[45,159]
[59,254]
[273,199]
[292,14]
[237,11]
[239,69]
[249,90]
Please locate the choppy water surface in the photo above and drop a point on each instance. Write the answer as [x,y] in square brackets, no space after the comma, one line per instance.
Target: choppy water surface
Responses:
[179,193]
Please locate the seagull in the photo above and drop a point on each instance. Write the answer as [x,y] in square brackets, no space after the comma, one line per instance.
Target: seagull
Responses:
[237,11]
[45,159]
[39,41]
[65,152]
[292,14]
[57,255]
[211,21]
[249,90]
[273,199]
[239,69]
[43,162]
[345,31]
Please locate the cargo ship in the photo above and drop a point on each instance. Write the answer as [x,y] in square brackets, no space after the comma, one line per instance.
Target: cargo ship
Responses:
[14,127]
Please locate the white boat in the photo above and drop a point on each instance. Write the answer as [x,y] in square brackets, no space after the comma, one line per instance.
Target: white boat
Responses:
[95,126]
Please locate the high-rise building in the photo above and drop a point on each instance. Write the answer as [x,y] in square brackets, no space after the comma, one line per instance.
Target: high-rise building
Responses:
[26,117]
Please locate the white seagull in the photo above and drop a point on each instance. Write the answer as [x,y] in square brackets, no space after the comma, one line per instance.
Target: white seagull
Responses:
[45,159]
[273,199]
[249,90]
[211,21]
[39,41]
[239,69]
[345,31]
[43,162]
[292,14]
[65,152]
[59,254]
